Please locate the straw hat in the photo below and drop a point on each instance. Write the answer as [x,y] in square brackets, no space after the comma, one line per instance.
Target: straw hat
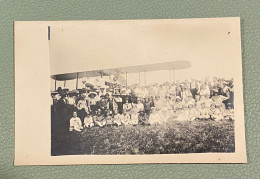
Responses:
[92,93]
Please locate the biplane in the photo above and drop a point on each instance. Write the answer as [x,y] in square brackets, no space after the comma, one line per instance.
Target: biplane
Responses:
[115,74]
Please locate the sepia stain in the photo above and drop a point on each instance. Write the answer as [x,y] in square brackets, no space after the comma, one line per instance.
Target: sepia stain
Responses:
[228,33]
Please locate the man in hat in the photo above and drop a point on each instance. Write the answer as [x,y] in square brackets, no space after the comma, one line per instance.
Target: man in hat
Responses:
[102,105]
[119,101]
[193,88]
[75,123]
[92,102]
[61,110]
[88,121]
[111,104]
[59,90]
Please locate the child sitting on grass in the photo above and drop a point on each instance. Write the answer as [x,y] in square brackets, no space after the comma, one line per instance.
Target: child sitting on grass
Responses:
[143,118]
[192,112]
[75,123]
[117,118]
[100,120]
[154,118]
[180,114]
[109,118]
[215,113]
[125,118]
[203,113]
[88,121]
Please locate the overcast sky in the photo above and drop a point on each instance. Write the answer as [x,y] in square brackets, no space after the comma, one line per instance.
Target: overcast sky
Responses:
[212,46]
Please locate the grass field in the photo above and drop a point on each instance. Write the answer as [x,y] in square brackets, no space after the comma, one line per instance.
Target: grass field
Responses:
[175,137]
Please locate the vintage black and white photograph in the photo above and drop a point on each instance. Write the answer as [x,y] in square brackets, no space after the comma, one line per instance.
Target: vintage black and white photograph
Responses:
[150,88]
[129,92]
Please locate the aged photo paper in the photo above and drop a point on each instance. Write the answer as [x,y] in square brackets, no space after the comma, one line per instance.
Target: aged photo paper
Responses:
[129,92]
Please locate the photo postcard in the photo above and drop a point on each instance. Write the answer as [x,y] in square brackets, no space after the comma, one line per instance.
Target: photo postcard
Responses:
[129,91]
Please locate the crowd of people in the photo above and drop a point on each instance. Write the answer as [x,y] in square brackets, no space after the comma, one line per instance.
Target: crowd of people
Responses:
[153,104]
